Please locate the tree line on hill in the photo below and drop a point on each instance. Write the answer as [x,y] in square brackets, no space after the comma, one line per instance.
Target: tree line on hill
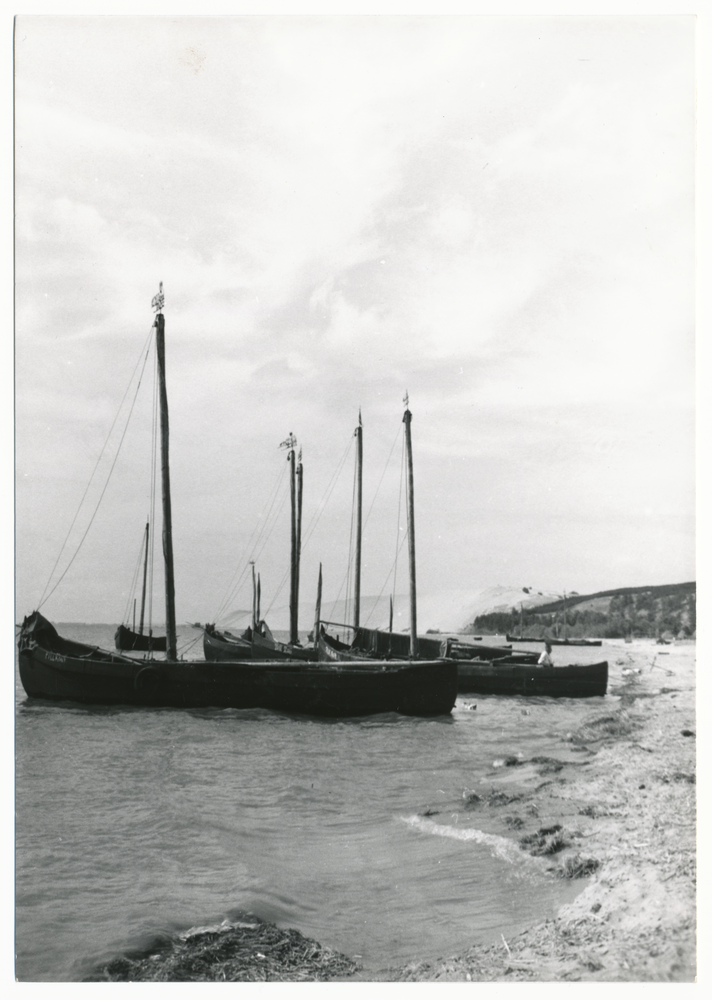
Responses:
[649,612]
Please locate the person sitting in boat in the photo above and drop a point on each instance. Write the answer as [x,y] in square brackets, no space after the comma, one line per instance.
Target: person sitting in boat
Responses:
[545,659]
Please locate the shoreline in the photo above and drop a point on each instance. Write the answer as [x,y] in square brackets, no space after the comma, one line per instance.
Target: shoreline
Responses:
[631,811]
[616,809]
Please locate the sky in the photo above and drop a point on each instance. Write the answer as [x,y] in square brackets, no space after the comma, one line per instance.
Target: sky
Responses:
[495,215]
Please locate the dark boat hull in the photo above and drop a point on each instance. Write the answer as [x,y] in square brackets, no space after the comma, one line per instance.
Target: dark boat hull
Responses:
[575,681]
[126,639]
[557,642]
[219,647]
[58,669]
[377,644]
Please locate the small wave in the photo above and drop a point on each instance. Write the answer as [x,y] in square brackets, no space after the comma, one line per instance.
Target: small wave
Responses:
[501,847]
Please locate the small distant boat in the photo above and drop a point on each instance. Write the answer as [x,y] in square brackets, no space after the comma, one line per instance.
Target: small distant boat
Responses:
[251,645]
[129,639]
[588,680]
[555,642]
[476,651]
[126,639]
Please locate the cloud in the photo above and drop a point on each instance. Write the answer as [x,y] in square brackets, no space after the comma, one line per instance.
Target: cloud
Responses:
[494,214]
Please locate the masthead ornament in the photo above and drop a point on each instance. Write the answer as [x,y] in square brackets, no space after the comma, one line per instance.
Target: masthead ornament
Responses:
[289,442]
[158,301]
[405,399]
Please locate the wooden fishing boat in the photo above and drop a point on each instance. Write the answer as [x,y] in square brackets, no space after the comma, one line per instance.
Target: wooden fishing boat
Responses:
[375,643]
[588,680]
[129,639]
[59,669]
[556,642]
[55,668]
[222,645]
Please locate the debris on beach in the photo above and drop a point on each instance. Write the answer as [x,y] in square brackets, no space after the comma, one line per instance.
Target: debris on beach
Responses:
[495,798]
[578,867]
[239,952]
[546,840]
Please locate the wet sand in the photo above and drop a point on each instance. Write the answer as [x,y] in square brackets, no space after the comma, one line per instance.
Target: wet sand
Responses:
[624,820]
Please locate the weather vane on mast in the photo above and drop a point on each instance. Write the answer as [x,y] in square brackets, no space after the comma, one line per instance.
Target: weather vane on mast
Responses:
[405,399]
[157,302]
[289,442]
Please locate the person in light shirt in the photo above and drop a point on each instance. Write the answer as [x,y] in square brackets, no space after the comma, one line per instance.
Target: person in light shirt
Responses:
[545,659]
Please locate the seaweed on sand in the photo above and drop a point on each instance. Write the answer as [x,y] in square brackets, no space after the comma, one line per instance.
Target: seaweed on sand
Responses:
[546,840]
[578,867]
[240,952]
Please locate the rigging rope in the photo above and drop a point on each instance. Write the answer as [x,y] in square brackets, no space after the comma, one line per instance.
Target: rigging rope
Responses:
[44,598]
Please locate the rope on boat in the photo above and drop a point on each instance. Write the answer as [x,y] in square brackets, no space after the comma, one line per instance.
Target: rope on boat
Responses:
[46,596]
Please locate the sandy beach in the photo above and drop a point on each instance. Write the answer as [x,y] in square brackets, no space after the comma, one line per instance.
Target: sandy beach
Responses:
[626,815]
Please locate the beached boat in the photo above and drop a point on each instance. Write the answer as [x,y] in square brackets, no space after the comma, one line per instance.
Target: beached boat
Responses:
[556,642]
[56,668]
[588,680]
[128,638]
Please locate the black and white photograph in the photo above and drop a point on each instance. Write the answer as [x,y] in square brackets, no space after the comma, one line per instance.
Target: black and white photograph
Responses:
[354,482]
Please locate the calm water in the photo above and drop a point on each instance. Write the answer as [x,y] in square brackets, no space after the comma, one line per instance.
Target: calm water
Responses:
[131,822]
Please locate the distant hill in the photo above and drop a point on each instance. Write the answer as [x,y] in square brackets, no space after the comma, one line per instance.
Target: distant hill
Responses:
[607,614]
[496,609]
[446,611]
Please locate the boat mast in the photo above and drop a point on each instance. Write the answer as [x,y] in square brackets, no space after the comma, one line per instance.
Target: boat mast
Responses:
[407,417]
[359,494]
[289,443]
[259,589]
[159,323]
[143,592]
[254,597]
[298,544]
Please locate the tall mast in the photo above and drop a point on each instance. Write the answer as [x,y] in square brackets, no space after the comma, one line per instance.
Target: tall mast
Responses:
[159,323]
[143,592]
[254,597]
[359,494]
[258,598]
[298,544]
[407,417]
[289,443]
